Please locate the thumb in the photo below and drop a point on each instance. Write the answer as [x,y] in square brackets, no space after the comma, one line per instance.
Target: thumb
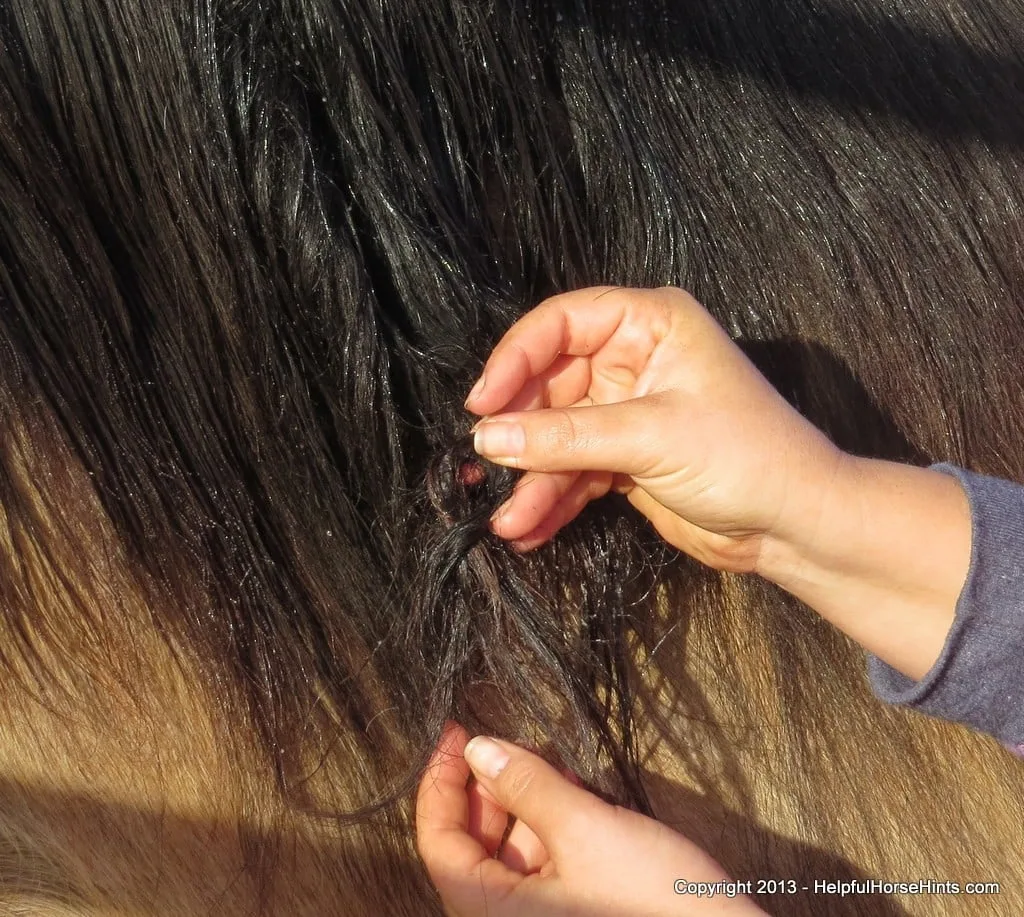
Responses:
[561,813]
[627,437]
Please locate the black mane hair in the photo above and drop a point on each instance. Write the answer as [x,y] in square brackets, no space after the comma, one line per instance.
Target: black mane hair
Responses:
[253,253]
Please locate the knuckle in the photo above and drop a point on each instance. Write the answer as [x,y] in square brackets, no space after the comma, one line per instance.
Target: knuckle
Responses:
[565,434]
[682,307]
[570,298]
[608,290]
[517,782]
[557,300]
[560,302]
[517,355]
[677,297]
[660,407]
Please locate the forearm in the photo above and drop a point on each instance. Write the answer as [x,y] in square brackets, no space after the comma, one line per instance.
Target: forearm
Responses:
[883,557]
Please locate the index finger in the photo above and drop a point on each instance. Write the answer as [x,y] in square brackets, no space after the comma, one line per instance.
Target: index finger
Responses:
[578,323]
[459,865]
[442,810]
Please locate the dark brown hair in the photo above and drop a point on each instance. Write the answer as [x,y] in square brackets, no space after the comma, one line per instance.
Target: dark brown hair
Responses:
[253,254]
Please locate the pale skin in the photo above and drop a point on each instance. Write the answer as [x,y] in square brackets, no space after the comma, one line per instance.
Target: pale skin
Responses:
[568,854]
[641,391]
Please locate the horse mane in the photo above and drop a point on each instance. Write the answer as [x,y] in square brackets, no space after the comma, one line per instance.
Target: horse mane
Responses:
[252,256]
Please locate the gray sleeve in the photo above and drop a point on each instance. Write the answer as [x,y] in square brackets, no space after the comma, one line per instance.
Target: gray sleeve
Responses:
[979,677]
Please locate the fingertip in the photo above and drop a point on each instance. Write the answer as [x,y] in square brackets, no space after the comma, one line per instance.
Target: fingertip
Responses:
[537,536]
[486,757]
[452,741]
[447,765]
[560,511]
[498,521]
[518,530]
[478,389]
[506,522]
[533,539]
[499,438]
[536,494]
[525,545]
[531,790]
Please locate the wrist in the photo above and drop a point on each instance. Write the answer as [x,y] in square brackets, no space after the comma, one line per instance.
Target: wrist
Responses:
[884,559]
[823,489]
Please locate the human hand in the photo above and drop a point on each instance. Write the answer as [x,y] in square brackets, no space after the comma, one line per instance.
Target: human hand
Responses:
[642,391]
[568,852]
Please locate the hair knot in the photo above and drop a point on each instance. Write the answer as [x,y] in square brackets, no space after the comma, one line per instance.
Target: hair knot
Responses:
[463,487]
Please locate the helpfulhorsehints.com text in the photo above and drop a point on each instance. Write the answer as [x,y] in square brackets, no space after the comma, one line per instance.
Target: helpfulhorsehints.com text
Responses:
[839,889]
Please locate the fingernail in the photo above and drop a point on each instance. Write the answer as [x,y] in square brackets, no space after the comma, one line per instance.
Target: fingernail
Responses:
[477,389]
[486,756]
[500,440]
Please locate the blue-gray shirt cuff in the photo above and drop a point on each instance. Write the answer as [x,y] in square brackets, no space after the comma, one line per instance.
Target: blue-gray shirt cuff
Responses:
[978,679]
